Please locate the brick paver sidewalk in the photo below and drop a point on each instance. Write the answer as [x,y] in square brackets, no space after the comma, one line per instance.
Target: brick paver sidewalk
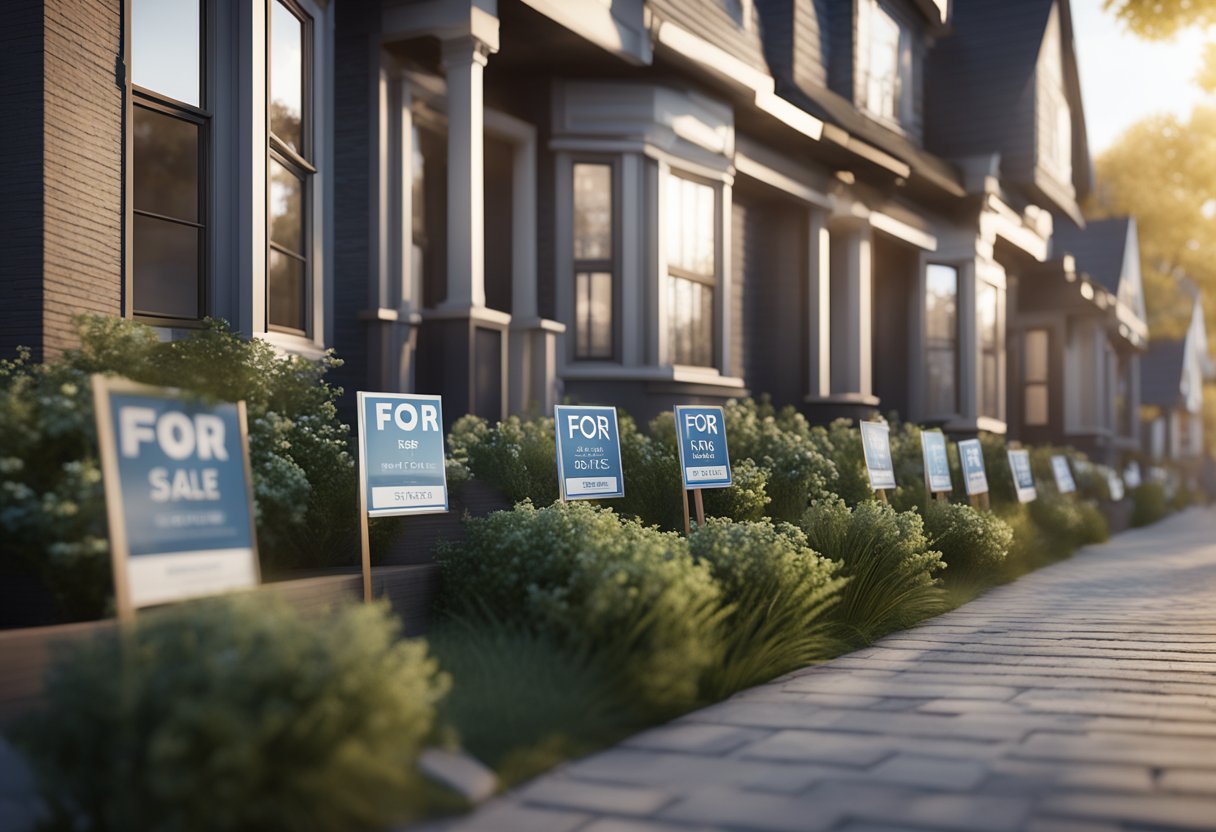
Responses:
[1080,698]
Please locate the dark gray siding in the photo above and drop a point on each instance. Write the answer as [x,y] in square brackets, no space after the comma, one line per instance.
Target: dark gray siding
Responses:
[21,172]
[842,24]
[795,40]
[355,70]
[713,22]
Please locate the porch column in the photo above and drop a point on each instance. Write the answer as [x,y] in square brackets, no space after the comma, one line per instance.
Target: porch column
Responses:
[819,313]
[464,61]
[852,305]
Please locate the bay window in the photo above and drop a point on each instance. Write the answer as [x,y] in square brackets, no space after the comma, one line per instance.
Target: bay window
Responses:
[989,341]
[290,169]
[691,244]
[1035,390]
[170,143]
[594,261]
[941,338]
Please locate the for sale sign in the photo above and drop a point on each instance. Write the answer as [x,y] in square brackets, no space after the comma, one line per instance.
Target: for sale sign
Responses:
[971,459]
[178,493]
[704,461]
[937,464]
[1065,484]
[588,452]
[401,457]
[1023,477]
[876,445]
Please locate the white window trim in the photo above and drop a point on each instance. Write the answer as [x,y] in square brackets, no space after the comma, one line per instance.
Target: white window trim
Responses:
[903,104]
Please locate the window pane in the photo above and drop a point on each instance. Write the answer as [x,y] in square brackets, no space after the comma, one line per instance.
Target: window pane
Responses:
[941,299]
[943,380]
[1036,404]
[285,295]
[690,226]
[986,302]
[593,314]
[418,186]
[166,48]
[1036,355]
[286,208]
[690,322]
[287,77]
[165,273]
[592,212]
[165,167]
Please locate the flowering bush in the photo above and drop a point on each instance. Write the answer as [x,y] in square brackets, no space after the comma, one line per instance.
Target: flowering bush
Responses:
[237,713]
[974,544]
[52,515]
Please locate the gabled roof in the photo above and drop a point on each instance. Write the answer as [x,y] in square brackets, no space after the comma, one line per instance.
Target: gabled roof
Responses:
[1099,248]
[979,82]
[1161,373]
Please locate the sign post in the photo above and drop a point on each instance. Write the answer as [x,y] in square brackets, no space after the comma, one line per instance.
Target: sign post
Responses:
[1023,477]
[1065,483]
[401,462]
[937,464]
[179,494]
[975,478]
[876,446]
[704,459]
[588,452]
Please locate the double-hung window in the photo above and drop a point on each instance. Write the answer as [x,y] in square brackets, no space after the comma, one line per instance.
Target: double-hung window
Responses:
[1035,390]
[885,63]
[594,261]
[170,129]
[290,155]
[988,325]
[691,241]
[941,338]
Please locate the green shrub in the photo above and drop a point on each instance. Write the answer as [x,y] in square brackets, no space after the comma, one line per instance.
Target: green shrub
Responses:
[1068,523]
[632,595]
[745,501]
[1149,504]
[841,443]
[996,466]
[787,447]
[516,456]
[779,591]
[52,512]
[237,713]
[974,544]
[521,701]
[891,566]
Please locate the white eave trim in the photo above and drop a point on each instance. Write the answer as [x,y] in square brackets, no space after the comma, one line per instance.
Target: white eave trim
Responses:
[728,68]
[902,231]
[595,22]
[746,165]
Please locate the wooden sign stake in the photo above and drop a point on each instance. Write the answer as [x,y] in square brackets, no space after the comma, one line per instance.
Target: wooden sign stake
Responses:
[364,540]
[684,503]
[696,496]
[882,495]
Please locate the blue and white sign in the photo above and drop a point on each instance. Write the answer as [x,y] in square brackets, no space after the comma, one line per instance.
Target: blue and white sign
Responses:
[401,459]
[1131,475]
[937,463]
[876,444]
[178,494]
[588,452]
[971,459]
[704,461]
[1115,485]
[1065,484]
[1023,477]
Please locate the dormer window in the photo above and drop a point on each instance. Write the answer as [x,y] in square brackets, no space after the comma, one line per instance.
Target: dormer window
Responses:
[884,66]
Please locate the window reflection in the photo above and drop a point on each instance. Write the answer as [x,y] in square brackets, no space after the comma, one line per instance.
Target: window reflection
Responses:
[594,249]
[166,274]
[592,212]
[287,77]
[941,338]
[691,240]
[987,323]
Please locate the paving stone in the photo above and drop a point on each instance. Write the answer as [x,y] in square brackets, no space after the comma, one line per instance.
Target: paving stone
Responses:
[695,738]
[686,773]
[1158,811]
[508,816]
[968,812]
[930,772]
[1189,780]
[580,795]
[635,825]
[818,747]
[752,810]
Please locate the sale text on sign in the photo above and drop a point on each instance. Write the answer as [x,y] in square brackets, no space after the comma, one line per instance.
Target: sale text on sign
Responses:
[704,460]
[178,493]
[588,452]
[401,454]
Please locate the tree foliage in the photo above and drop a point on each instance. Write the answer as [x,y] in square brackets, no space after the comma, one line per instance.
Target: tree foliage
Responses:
[1162,171]
[1162,19]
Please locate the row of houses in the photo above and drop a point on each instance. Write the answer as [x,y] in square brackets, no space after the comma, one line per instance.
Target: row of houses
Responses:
[848,205]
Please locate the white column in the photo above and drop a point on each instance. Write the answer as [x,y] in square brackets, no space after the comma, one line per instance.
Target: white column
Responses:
[852,337]
[464,61]
[819,315]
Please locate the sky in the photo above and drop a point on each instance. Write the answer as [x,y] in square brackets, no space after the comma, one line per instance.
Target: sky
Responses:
[1125,78]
